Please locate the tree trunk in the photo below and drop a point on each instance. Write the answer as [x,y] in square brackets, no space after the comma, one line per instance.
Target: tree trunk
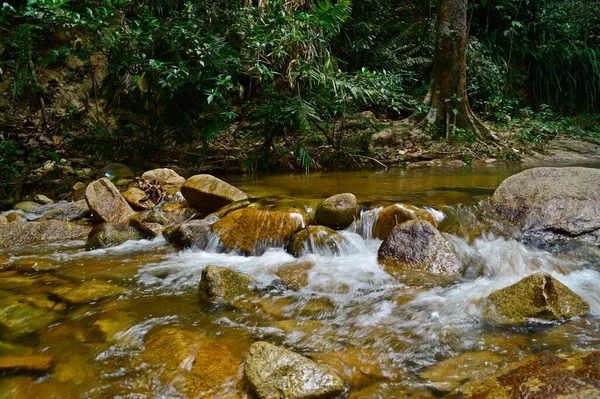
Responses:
[448,102]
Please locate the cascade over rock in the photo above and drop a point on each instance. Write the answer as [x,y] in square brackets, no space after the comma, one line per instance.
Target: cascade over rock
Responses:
[316,240]
[558,202]
[393,215]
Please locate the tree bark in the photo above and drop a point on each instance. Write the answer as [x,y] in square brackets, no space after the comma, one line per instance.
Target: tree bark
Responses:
[449,107]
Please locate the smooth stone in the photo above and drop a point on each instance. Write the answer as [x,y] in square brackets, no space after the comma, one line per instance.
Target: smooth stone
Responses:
[20,319]
[316,240]
[220,284]
[106,202]
[137,198]
[15,217]
[79,186]
[26,206]
[294,275]
[42,199]
[3,220]
[69,212]
[164,177]
[21,233]
[393,215]
[338,211]
[194,234]
[278,373]
[206,193]
[87,292]
[538,296]
[111,234]
[33,364]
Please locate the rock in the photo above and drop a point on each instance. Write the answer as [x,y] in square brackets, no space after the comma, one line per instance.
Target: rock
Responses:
[79,186]
[547,376]
[393,215]
[69,212]
[199,366]
[418,246]
[164,177]
[538,296]
[337,212]
[177,212]
[87,292]
[148,224]
[194,233]
[34,364]
[116,170]
[274,373]
[137,198]
[111,234]
[563,202]
[384,137]
[220,284]
[253,231]
[227,209]
[206,193]
[21,233]
[106,203]
[3,220]
[294,275]
[20,319]
[27,206]
[42,199]
[15,217]
[470,366]
[316,240]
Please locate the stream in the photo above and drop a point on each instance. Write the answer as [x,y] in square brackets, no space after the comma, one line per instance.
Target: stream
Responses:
[396,340]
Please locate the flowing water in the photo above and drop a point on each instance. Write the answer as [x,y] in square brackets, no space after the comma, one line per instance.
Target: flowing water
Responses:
[391,338]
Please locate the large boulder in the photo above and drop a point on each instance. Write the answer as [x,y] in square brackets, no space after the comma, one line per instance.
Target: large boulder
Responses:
[316,240]
[68,212]
[21,233]
[418,246]
[106,203]
[198,366]
[547,376]
[221,285]
[253,231]
[393,215]
[563,202]
[111,234]
[206,193]
[278,373]
[539,296]
[338,211]
[164,177]
[194,233]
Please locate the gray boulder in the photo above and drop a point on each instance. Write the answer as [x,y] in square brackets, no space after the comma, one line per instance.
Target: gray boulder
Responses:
[106,202]
[68,212]
[21,233]
[278,373]
[194,233]
[558,202]
[418,246]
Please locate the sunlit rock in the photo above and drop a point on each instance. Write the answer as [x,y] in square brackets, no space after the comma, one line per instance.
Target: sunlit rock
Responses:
[294,275]
[206,193]
[547,376]
[111,234]
[164,177]
[220,284]
[42,199]
[316,240]
[106,203]
[26,206]
[137,198]
[418,246]
[3,220]
[33,364]
[87,292]
[15,217]
[393,215]
[194,233]
[278,373]
[198,366]
[21,233]
[252,231]
[539,296]
[562,202]
[338,211]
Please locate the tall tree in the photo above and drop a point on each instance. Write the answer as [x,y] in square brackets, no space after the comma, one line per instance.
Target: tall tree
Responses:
[447,96]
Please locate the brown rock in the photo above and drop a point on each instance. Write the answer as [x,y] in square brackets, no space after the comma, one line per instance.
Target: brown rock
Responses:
[338,211]
[194,233]
[21,233]
[106,203]
[253,231]
[220,284]
[34,364]
[111,234]
[206,193]
[316,240]
[295,274]
[164,177]
[15,217]
[137,198]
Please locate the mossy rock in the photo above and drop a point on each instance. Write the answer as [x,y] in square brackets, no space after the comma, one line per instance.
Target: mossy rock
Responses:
[221,285]
[538,296]
[20,319]
[316,240]
[338,211]
[295,274]
[253,231]
[111,234]
[27,206]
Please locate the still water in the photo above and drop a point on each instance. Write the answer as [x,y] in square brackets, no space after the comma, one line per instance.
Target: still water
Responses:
[389,339]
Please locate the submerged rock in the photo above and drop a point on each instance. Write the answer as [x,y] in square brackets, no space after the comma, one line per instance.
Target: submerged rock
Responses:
[418,246]
[68,212]
[197,365]
[34,364]
[294,275]
[546,376]
[220,284]
[194,233]
[21,233]
[253,231]
[206,193]
[20,319]
[338,211]
[111,234]
[27,206]
[316,240]
[278,373]
[106,203]
[164,177]
[137,198]
[560,202]
[393,215]
[89,291]
[538,296]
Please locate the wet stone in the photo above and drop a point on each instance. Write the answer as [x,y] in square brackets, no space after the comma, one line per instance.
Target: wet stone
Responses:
[33,364]
[316,240]
[294,275]
[89,291]
[20,319]
[206,193]
[111,234]
[338,211]
[194,233]
[15,217]
[220,284]
[27,206]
